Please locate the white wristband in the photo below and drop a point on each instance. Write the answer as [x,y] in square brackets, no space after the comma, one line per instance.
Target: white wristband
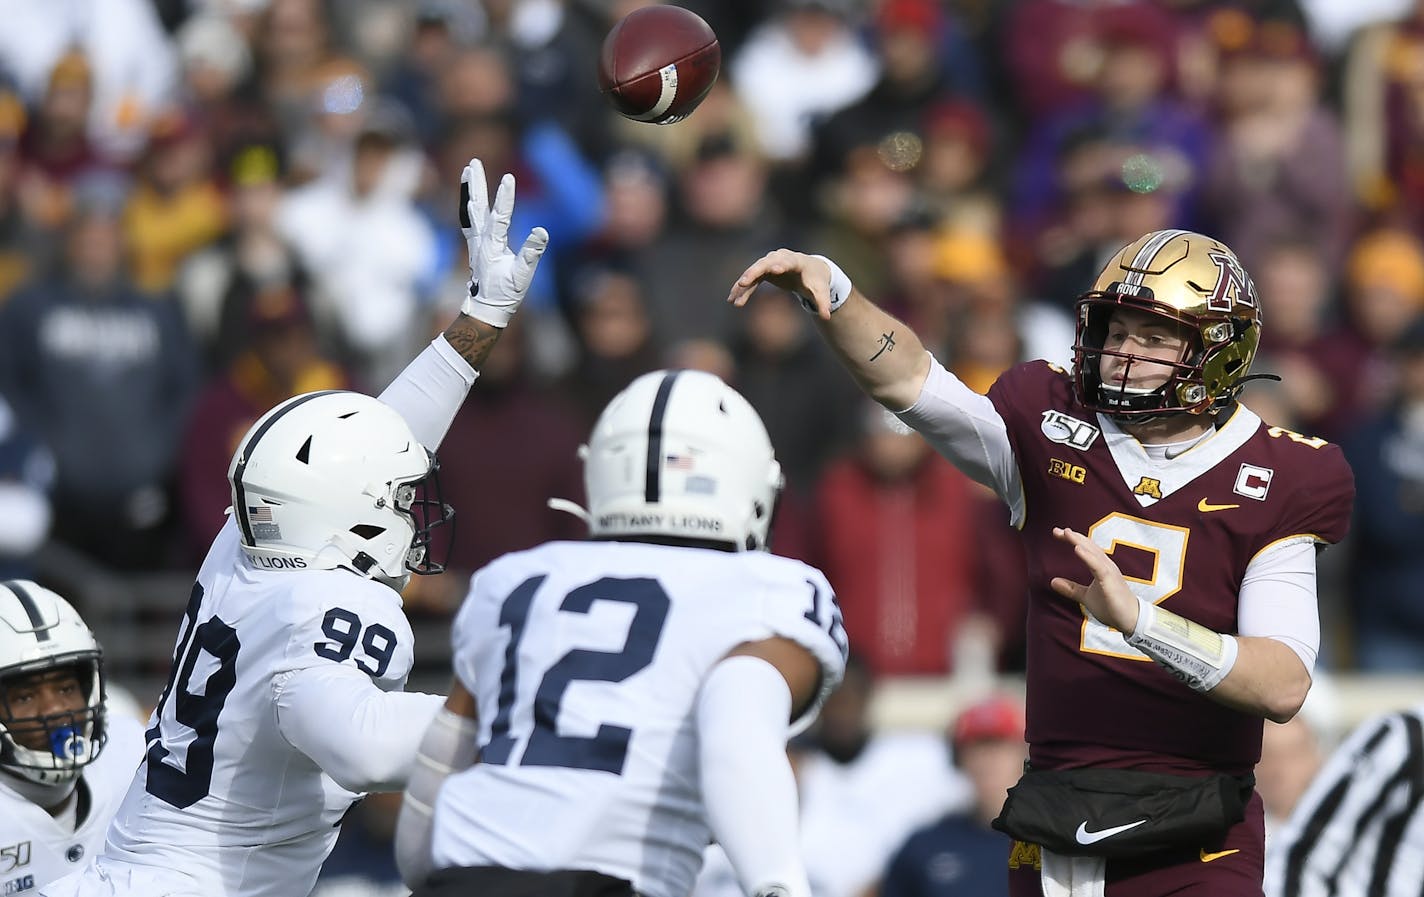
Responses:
[840,287]
[1198,656]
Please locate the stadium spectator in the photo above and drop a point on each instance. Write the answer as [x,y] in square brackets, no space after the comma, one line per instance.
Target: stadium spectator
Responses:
[130,65]
[510,415]
[615,337]
[26,478]
[175,208]
[960,855]
[797,388]
[1278,166]
[277,359]
[1319,366]
[103,374]
[368,275]
[804,63]
[897,532]
[1387,452]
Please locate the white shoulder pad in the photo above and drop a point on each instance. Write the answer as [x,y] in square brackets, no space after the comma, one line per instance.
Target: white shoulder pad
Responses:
[336,617]
[799,604]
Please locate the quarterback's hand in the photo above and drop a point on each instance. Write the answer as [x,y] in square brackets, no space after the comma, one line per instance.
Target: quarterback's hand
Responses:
[499,278]
[1107,598]
[804,275]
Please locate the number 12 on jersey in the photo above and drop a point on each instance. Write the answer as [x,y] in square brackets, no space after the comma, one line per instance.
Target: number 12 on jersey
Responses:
[607,749]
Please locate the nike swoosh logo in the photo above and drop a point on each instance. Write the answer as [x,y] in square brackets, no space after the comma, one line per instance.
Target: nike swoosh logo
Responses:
[1206,507]
[1208,857]
[1086,837]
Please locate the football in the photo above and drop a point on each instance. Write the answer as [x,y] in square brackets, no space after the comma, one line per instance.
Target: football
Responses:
[658,63]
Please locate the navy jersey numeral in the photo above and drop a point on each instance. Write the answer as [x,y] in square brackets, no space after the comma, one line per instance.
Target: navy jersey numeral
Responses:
[825,612]
[198,711]
[607,749]
[344,629]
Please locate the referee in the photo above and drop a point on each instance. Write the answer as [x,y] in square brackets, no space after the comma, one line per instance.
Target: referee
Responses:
[1359,829]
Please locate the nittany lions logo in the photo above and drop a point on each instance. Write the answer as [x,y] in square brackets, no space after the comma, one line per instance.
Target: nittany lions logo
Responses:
[1233,284]
[1067,430]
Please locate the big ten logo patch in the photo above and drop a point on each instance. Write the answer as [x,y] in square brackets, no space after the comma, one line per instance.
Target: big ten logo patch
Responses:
[17,885]
[1073,473]
[1149,487]
[14,856]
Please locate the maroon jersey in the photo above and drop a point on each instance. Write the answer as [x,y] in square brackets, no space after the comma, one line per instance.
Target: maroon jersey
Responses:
[1183,532]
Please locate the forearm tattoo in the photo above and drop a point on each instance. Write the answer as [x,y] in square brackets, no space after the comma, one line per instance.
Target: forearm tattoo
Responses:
[472,338]
[887,344]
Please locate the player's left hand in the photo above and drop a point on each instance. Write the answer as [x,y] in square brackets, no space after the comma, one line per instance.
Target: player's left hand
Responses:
[499,278]
[1107,597]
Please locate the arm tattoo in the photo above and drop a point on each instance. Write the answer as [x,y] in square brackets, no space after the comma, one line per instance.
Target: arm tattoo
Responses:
[887,344]
[473,339]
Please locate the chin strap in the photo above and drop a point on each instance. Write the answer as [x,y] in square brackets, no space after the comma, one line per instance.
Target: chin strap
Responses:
[569,507]
[47,796]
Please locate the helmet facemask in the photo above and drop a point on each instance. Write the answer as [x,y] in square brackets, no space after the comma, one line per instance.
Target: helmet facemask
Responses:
[63,742]
[423,502]
[1196,284]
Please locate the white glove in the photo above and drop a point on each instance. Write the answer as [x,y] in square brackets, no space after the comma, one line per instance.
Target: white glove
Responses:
[499,279]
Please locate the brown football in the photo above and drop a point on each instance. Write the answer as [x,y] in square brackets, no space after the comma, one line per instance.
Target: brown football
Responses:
[658,63]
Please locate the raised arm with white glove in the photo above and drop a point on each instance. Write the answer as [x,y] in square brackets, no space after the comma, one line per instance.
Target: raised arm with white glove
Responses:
[431,389]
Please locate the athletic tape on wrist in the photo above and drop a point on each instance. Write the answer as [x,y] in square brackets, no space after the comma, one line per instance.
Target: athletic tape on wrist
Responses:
[1198,656]
[840,288]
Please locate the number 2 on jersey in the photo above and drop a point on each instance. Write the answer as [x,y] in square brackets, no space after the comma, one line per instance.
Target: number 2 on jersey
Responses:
[1168,546]
[198,711]
[607,749]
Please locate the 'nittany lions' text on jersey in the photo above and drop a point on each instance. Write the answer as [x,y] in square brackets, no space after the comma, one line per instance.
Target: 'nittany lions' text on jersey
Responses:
[586,659]
[223,802]
[35,847]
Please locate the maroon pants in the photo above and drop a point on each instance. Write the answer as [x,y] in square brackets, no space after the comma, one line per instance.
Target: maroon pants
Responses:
[1231,867]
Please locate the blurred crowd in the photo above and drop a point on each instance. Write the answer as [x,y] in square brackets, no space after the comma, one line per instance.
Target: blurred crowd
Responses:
[207,206]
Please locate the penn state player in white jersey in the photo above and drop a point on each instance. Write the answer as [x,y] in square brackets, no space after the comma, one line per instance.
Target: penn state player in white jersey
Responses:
[65,764]
[284,703]
[630,697]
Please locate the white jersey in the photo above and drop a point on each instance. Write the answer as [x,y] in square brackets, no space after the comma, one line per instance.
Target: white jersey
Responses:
[586,659]
[224,805]
[35,847]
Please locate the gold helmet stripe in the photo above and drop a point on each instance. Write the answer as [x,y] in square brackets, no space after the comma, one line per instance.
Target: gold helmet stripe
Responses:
[1142,262]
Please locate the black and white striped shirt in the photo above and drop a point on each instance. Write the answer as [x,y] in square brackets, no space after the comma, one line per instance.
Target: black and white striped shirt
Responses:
[1359,829]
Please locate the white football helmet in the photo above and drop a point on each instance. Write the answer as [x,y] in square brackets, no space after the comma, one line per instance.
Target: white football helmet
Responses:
[337,479]
[40,632]
[681,455]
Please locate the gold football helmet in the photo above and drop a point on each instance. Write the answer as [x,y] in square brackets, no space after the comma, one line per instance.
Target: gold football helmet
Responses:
[1193,280]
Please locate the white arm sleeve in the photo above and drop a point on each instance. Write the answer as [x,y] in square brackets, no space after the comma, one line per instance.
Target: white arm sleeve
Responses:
[966,428]
[1278,598]
[747,784]
[449,747]
[430,390]
[364,738]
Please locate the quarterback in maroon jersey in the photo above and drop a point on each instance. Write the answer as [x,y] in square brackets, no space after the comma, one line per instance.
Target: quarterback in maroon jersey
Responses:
[1171,538]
